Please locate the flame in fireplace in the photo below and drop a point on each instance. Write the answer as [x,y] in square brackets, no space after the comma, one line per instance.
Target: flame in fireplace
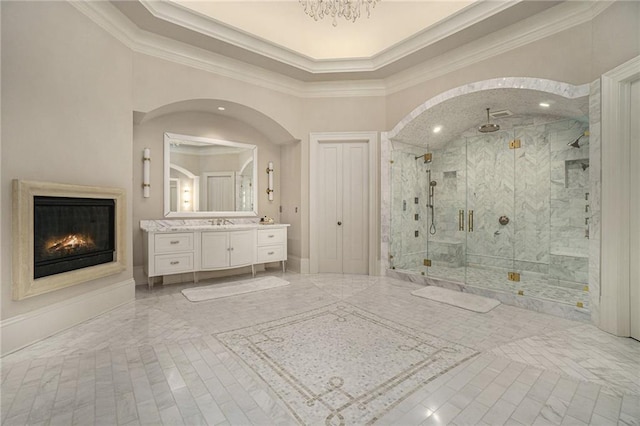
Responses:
[70,243]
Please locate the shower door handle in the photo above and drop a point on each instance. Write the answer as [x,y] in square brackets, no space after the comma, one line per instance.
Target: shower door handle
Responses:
[460,220]
[470,226]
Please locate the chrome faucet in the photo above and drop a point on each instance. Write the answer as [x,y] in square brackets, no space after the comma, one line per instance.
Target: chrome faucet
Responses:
[220,221]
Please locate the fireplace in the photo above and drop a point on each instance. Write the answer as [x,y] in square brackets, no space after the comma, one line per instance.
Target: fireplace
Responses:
[65,235]
[72,233]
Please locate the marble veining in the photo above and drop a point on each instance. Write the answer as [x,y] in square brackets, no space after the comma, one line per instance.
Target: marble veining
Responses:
[164,225]
[543,188]
[542,85]
[159,360]
[340,383]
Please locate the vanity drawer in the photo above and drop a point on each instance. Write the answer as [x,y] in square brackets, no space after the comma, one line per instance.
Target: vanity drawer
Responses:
[271,254]
[272,236]
[173,263]
[173,242]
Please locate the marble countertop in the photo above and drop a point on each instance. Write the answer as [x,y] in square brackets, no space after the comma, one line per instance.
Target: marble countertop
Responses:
[201,225]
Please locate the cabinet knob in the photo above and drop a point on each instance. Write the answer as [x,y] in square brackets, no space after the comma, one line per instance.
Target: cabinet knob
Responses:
[339,223]
[271,236]
[175,242]
[175,262]
[271,253]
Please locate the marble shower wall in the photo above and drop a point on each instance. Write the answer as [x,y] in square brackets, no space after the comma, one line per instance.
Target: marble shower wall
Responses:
[595,179]
[540,187]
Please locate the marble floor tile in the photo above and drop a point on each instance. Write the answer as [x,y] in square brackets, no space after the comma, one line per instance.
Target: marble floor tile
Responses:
[304,353]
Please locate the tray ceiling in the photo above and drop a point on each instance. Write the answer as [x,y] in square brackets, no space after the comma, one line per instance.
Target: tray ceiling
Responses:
[278,36]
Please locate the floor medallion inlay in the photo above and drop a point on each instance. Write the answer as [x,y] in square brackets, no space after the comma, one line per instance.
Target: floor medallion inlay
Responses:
[342,365]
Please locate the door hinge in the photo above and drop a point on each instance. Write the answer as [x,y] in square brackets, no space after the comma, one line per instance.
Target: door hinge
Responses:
[514,144]
[426,262]
[513,276]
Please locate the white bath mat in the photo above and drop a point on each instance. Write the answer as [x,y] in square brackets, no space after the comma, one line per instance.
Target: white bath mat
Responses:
[470,302]
[217,291]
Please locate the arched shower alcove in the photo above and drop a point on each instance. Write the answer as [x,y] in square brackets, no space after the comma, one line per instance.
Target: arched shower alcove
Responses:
[504,214]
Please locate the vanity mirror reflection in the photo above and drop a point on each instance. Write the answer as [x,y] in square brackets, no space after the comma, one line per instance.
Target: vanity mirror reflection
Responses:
[209,177]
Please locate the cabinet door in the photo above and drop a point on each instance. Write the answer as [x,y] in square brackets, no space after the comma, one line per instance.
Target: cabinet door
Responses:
[215,250]
[242,245]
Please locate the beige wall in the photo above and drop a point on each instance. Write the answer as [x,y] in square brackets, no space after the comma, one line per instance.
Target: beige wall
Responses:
[616,37]
[70,89]
[66,115]
[158,82]
[577,56]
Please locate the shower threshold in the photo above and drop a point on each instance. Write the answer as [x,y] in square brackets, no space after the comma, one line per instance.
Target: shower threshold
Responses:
[532,292]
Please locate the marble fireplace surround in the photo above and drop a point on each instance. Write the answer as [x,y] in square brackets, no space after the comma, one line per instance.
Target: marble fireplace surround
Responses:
[24,285]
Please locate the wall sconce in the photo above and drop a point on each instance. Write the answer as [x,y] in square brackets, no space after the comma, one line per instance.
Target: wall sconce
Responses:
[186,196]
[146,169]
[270,185]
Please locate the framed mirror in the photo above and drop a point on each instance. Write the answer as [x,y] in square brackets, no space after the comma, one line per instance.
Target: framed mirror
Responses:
[206,177]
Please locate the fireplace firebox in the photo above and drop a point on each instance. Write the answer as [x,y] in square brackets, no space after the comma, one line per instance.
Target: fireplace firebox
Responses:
[72,233]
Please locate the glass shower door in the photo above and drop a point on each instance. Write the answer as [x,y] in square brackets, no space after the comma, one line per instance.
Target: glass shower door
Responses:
[490,211]
[552,210]
[532,209]
[408,212]
[446,241]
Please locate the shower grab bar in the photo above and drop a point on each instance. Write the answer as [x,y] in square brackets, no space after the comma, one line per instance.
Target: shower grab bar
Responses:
[470,226]
[460,220]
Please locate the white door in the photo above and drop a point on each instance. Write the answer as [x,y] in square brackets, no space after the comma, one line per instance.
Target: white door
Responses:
[634,273]
[343,202]
[220,191]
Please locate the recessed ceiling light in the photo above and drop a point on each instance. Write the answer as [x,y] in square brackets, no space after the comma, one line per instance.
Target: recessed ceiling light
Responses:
[437,129]
[221,108]
[544,105]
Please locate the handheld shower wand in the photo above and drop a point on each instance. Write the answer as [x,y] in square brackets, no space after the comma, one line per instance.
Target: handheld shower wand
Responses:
[432,186]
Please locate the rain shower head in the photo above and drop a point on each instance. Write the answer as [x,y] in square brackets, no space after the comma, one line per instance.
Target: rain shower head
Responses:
[489,127]
[576,143]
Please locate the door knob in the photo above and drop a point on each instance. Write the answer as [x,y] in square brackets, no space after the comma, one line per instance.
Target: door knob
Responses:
[339,223]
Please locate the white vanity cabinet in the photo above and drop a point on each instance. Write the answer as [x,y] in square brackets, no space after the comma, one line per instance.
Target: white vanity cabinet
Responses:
[221,249]
[173,253]
[272,245]
[183,249]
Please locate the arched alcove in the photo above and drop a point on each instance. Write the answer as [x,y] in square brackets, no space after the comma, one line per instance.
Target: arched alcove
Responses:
[264,124]
[541,113]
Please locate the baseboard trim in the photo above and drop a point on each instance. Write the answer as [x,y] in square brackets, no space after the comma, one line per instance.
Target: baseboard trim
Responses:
[26,329]
[139,276]
[305,265]
[293,263]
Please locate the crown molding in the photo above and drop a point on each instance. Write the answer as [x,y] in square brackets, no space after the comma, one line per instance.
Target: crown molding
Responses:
[544,24]
[470,15]
[192,20]
[119,26]
[344,89]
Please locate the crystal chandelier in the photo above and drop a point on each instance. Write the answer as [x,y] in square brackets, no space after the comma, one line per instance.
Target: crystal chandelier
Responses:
[347,9]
